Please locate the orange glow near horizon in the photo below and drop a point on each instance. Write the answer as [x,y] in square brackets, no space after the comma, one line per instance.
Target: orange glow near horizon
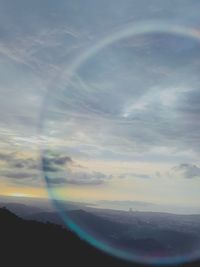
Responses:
[23,192]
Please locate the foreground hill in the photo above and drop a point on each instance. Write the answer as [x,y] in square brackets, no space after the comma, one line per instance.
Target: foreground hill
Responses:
[28,242]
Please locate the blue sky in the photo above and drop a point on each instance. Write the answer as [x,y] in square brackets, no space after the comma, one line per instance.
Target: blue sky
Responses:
[126,116]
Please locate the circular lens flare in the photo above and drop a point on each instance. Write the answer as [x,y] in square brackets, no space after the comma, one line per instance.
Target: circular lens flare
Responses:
[117,124]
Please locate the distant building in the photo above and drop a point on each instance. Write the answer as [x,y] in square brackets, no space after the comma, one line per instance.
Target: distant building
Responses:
[130,210]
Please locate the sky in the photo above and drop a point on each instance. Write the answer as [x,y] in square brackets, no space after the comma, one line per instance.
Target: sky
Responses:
[100,100]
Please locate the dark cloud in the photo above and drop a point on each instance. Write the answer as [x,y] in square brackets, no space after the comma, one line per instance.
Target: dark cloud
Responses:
[78,179]
[187,170]
[50,164]
[134,175]
[13,160]
[17,175]
[62,160]
[61,170]
[6,156]
[29,164]
[55,163]
[18,170]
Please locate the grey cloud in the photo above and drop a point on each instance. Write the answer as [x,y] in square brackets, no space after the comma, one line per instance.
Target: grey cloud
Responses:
[28,170]
[187,170]
[28,164]
[71,172]
[13,160]
[22,177]
[134,175]
[61,160]
[17,175]
[80,178]
[23,171]
[55,163]
[6,156]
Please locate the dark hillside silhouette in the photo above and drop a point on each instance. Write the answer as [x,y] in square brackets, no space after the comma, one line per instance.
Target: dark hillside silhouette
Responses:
[30,243]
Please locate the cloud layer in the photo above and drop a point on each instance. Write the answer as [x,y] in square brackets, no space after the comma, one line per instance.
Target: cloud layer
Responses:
[134,103]
[62,170]
[59,170]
